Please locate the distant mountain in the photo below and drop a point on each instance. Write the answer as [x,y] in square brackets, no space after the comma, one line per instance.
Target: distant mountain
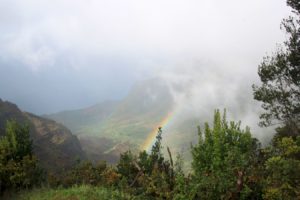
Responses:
[54,144]
[79,121]
[124,124]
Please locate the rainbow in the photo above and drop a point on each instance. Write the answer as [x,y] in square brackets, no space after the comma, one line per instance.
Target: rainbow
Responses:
[147,145]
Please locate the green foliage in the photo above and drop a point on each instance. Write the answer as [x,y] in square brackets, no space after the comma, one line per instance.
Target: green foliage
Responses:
[156,153]
[227,164]
[85,173]
[223,160]
[83,192]
[181,187]
[16,143]
[148,174]
[18,167]
[282,170]
[280,77]
[127,166]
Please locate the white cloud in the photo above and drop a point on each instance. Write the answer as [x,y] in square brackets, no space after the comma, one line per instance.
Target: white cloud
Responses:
[31,50]
[229,32]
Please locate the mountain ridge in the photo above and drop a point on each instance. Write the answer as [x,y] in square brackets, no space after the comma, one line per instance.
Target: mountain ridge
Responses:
[53,143]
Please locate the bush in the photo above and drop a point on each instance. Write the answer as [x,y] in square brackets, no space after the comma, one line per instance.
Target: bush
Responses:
[282,169]
[223,160]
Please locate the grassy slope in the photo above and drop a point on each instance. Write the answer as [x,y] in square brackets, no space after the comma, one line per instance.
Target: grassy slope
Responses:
[83,192]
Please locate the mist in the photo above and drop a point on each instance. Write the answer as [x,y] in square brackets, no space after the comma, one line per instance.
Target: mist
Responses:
[61,55]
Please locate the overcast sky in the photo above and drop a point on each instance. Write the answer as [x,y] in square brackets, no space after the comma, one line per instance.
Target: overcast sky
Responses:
[66,54]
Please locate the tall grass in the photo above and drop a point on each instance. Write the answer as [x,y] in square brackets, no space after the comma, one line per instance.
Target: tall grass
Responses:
[83,192]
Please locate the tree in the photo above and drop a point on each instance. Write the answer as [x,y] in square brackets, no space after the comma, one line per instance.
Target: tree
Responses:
[17,140]
[280,77]
[182,184]
[223,160]
[282,170]
[126,167]
[18,167]
[156,156]
[148,173]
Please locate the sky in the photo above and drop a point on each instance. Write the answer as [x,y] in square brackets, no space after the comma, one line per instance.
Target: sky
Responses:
[67,54]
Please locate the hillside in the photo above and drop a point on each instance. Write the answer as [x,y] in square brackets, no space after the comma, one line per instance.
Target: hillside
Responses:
[55,146]
[109,128]
[141,112]
[80,120]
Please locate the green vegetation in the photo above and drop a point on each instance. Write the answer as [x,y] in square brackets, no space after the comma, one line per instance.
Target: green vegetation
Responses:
[150,174]
[18,167]
[83,192]
[282,169]
[228,163]
[223,161]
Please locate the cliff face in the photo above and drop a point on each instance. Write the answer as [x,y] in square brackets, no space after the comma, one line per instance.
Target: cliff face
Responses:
[55,146]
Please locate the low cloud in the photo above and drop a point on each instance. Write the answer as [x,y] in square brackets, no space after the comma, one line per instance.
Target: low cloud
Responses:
[202,88]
